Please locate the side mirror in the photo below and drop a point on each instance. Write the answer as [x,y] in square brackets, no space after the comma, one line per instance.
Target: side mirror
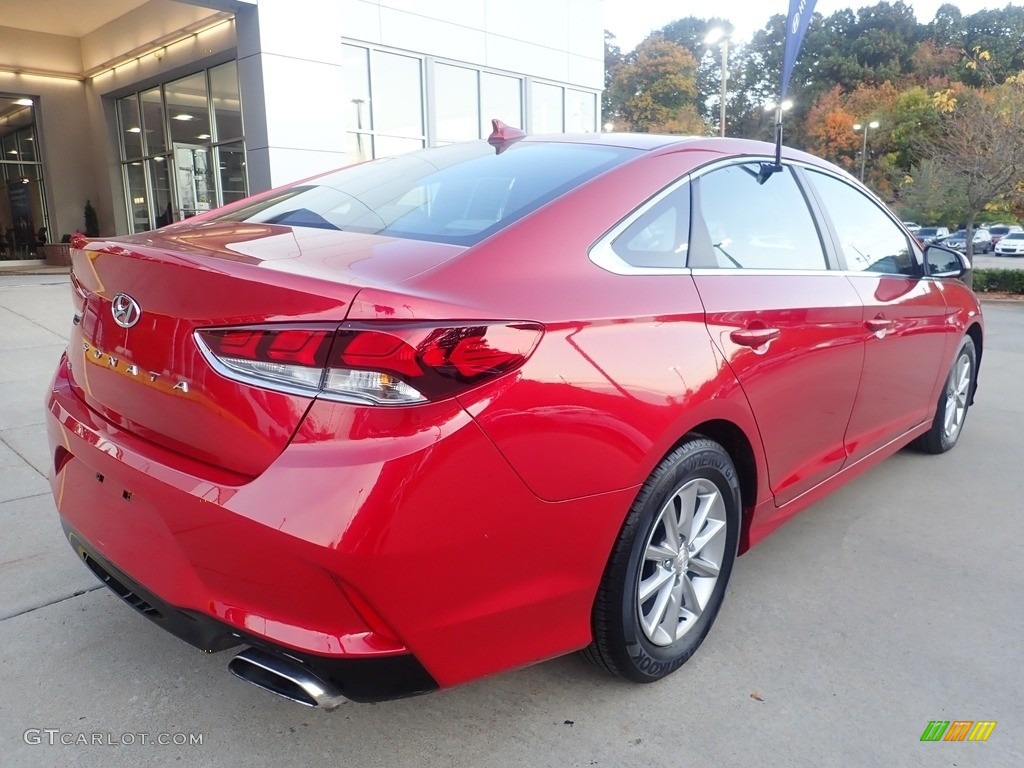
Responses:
[943,262]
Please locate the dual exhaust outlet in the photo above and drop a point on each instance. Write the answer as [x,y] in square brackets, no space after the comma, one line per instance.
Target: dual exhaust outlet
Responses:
[285,678]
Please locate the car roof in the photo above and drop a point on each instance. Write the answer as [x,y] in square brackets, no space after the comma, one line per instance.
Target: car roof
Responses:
[659,143]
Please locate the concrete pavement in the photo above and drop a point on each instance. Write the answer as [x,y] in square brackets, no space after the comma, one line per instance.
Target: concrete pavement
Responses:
[894,602]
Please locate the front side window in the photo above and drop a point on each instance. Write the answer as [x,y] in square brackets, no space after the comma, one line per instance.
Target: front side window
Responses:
[460,193]
[869,239]
[756,226]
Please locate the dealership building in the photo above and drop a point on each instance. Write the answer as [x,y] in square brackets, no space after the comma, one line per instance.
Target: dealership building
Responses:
[155,110]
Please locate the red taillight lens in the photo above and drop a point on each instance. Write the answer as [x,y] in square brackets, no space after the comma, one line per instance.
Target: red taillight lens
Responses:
[392,364]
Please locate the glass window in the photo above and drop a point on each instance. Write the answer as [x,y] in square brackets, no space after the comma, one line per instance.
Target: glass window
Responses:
[460,193]
[131,126]
[227,102]
[358,147]
[231,158]
[398,104]
[27,145]
[501,97]
[160,183]
[546,101]
[138,196]
[456,103]
[580,111]
[154,123]
[355,66]
[660,236]
[755,226]
[189,109]
[869,239]
[24,223]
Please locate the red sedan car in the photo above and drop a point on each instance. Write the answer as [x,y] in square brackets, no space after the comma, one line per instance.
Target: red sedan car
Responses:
[437,416]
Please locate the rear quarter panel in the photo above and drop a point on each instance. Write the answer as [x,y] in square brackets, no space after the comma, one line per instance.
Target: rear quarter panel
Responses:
[626,366]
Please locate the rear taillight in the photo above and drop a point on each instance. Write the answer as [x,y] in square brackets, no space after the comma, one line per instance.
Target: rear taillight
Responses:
[379,364]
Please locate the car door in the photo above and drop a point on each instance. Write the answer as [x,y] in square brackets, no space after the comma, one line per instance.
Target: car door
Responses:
[789,326]
[907,336]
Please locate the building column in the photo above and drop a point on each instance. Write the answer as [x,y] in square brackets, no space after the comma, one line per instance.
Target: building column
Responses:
[289,72]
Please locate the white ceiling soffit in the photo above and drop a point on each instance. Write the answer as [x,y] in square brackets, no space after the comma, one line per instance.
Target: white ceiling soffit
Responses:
[73,18]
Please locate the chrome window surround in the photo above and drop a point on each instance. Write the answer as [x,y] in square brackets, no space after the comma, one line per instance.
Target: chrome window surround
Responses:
[603,255]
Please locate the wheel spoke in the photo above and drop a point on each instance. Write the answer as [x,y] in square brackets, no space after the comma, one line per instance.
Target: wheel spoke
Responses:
[653,620]
[713,529]
[704,504]
[661,552]
[670,623]
[703,567]
[691,603]
[653,583]
[670,517]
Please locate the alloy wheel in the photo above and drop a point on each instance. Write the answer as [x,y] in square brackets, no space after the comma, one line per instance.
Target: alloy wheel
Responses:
[682,560]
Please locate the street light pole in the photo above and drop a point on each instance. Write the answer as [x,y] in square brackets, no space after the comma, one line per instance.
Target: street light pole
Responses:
[864,149]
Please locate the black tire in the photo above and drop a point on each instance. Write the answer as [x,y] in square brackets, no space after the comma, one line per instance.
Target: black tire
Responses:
[620,644]
[939,438]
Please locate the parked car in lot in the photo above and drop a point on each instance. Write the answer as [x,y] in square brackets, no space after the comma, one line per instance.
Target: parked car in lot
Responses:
[981,239]
[999,231]
[1011,245]
[912,226]
[435,416]
[927,235]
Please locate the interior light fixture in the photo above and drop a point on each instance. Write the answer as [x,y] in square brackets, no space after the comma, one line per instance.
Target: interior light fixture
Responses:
[158,159]
[12,152]
[184,117]
[203,136]
[136,129]
[24,102]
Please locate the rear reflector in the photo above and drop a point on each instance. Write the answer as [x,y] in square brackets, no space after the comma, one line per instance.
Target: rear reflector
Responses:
[377,364]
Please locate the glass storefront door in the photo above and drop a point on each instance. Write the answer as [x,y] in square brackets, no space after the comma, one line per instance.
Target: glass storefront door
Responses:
[24,223]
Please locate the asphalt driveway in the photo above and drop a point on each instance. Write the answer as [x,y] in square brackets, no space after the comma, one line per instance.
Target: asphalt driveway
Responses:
[895,602]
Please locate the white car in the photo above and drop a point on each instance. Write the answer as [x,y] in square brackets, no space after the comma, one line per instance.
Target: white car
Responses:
[913,226]
[1011,245]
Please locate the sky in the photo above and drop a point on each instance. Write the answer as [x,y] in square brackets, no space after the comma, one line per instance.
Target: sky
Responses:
[632,20]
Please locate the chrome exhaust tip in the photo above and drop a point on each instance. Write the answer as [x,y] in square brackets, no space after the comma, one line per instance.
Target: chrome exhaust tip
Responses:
[284,678]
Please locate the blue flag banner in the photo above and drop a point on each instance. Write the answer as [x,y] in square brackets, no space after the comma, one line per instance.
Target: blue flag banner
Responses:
[800,13]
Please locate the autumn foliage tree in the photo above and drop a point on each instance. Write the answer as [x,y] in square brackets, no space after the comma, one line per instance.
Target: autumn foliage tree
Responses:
[654,88]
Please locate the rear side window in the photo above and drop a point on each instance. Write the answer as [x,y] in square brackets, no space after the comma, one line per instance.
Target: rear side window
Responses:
[756,226]
[660,236]
[869,239]
[460,193]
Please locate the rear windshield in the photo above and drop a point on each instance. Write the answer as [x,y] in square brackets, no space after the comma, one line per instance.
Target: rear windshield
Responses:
[928,231]
[460,194]
[998,230]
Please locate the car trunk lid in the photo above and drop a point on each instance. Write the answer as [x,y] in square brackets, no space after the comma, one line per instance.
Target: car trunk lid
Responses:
[142,369]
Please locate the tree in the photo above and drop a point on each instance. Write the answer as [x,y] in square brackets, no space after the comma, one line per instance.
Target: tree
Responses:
[92,221]
[979,145]
[653,84]
[926,194]
[611,102]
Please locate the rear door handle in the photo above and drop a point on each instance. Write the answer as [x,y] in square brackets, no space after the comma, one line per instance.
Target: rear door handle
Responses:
[880,325]
[755,337]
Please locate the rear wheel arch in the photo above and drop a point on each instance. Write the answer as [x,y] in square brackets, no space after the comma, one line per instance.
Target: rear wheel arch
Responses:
[736,443]
[974,331]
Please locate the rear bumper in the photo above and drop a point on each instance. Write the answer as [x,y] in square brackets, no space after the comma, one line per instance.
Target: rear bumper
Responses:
[366,541]
[360,679]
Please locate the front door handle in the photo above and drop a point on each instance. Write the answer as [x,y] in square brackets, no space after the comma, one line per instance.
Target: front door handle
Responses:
[755,337]
[880,325]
